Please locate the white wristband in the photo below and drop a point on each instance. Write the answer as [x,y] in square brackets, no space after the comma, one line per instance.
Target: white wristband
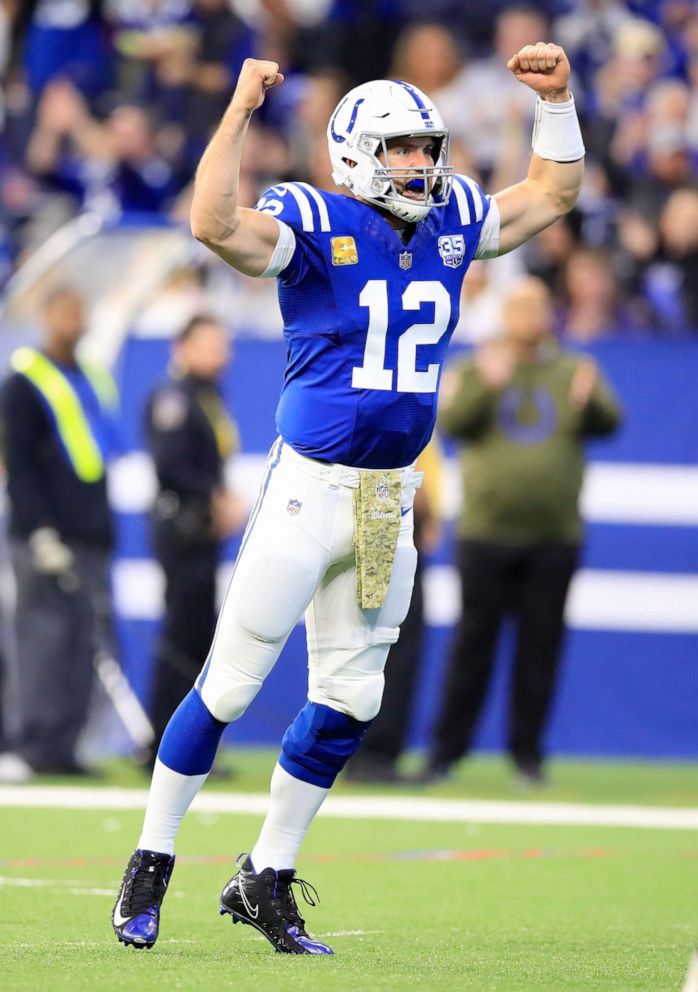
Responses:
[556,132]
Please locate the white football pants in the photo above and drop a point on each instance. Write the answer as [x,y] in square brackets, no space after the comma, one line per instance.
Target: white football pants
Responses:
[297,557]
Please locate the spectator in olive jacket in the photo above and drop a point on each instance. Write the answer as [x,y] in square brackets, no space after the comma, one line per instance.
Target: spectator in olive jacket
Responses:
[523,408]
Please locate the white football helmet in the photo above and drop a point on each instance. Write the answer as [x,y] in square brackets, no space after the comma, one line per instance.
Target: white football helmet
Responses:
[358,130]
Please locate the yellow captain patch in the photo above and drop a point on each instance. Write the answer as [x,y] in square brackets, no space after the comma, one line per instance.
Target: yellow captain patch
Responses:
[344,251]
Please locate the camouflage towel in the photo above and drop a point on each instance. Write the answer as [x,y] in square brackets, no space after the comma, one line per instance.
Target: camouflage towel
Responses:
[376,529]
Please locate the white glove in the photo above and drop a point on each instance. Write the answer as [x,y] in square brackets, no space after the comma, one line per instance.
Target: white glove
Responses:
[51,555]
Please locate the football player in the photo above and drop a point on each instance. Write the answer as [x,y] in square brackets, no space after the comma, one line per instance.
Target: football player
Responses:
[369,283]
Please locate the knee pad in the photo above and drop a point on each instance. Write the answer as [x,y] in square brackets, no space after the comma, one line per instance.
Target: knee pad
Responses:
[235,672]
[318,744]
[364,701]
[355,688]
[228,702]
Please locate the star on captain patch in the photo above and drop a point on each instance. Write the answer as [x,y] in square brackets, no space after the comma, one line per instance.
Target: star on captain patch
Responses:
[344,251]
[405,259]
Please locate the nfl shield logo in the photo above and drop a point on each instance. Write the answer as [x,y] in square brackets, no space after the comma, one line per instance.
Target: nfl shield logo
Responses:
[405,259]
[382,491]
[294,507]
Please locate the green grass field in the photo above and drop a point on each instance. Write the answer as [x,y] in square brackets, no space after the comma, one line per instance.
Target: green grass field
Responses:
[406,904]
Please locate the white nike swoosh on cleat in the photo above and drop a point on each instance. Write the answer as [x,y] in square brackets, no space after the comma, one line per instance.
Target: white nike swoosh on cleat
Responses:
[252,910]
[117,918]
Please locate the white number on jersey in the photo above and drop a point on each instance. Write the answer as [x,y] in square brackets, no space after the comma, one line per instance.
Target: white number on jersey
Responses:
[373,374]
[267,205]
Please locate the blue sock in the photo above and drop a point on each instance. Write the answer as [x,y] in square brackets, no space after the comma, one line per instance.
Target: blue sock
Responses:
[319,743]
[191,738]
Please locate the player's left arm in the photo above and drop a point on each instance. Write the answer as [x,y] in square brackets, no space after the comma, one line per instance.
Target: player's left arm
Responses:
[554,178]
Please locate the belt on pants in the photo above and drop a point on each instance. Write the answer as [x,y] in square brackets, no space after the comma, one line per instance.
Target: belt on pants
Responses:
[346,475]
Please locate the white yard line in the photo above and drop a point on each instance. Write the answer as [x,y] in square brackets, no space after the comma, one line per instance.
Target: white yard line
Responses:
[26,946]
[372,807]
[351,933]
[66,886]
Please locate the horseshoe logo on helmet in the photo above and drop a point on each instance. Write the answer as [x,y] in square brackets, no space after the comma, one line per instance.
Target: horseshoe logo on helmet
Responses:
[339,138]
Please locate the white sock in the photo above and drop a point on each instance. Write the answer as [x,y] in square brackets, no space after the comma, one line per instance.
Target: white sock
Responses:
[170,796]
[291,810]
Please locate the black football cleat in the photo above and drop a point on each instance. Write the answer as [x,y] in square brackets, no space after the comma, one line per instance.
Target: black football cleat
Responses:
[136,915]
[266,902]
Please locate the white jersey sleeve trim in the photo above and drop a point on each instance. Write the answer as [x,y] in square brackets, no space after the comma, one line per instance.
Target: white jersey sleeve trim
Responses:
[283,252]
[488,245]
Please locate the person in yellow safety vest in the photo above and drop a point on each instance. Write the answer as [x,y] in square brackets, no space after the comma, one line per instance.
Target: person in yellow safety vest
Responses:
[59,428]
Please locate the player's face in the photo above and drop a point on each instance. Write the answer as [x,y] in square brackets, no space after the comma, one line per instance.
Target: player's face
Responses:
[411,152]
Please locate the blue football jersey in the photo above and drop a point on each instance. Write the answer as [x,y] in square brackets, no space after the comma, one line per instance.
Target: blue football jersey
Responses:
[367,320]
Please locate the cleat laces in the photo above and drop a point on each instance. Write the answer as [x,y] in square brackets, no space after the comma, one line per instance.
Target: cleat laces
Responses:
[290,911]
[146,886]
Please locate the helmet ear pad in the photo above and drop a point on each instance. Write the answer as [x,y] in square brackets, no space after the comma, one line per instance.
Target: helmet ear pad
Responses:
[358,131]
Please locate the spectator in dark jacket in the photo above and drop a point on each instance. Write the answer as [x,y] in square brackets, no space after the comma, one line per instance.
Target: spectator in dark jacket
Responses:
[190,435]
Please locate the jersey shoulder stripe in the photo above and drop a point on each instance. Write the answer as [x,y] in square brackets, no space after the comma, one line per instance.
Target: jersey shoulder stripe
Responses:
[477,195]
[306,210]
[297,204]
[462,202]
[321,205]
[472,202]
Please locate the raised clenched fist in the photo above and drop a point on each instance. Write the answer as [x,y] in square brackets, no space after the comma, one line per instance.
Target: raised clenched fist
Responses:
[256,77]
[543,67]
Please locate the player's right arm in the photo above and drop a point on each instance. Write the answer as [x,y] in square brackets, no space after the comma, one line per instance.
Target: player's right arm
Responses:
[243,238]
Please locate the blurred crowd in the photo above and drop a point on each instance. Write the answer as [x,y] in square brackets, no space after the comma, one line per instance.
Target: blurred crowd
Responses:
[107,106]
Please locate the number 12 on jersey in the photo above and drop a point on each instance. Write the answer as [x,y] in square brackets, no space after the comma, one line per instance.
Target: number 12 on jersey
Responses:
[373,374]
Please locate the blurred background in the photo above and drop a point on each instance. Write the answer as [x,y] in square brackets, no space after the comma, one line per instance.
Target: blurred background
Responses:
[107,107]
